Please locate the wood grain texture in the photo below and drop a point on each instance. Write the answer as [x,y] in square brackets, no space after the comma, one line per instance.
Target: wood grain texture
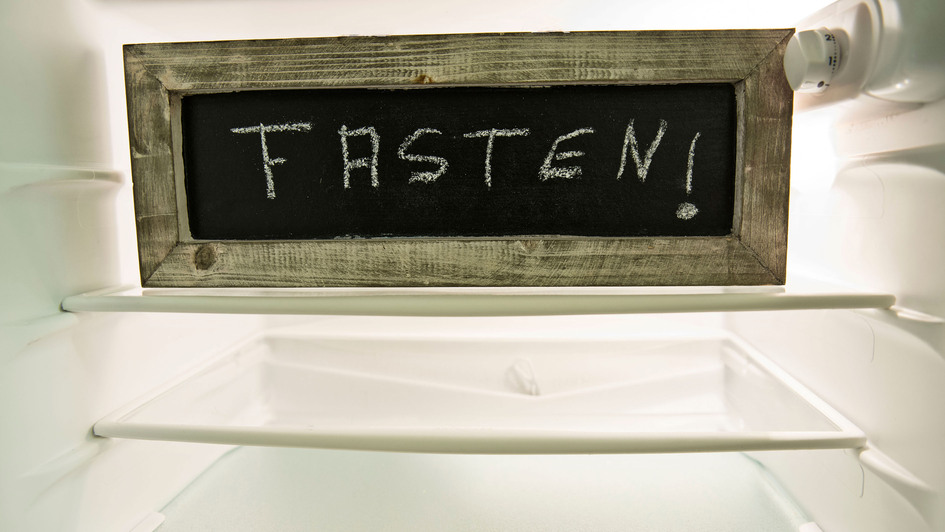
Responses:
[152,167]
[750,59]
[647,57]
[689,261]
[765,161]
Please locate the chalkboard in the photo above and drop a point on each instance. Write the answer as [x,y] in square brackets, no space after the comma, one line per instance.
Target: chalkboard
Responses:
[558,159]
[614,161]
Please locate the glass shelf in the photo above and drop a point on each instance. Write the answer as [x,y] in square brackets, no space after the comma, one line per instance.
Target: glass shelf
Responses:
[799,295]
[350,385]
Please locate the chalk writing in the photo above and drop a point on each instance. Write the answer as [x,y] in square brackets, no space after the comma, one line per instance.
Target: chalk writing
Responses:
[491,134]
[643,165]
[546,171]
[692,153]
[686,210]
[423,177]
[361,162]
[268,163]
[476,162]
[566,172]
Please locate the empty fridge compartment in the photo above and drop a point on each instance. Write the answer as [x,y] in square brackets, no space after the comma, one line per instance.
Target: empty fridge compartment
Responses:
[259,488]
[549,393]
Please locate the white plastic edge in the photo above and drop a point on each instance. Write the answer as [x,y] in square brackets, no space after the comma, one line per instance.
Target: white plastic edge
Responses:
[836,418]
[467,302]
[484,441]
[495,441]
[922,496]
[149,523]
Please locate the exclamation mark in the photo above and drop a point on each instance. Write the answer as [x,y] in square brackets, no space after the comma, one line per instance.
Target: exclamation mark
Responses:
[687,210]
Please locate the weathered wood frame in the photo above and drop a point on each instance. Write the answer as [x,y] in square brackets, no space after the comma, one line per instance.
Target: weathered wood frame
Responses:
[158,75]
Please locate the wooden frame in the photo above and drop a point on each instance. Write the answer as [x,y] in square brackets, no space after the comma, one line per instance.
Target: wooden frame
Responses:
[157,75]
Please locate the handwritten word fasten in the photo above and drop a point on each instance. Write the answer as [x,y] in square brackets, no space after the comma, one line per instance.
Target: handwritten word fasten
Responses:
[548,169]
[443,162]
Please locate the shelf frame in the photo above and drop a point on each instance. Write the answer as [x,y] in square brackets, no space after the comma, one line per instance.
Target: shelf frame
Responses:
[460,302]
[250,428]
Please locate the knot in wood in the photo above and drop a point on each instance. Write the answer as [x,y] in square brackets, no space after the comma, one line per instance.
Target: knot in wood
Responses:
[423,79]
[205,257]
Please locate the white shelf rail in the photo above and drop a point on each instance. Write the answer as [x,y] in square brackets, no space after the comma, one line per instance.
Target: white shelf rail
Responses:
[321,390]
[473,301]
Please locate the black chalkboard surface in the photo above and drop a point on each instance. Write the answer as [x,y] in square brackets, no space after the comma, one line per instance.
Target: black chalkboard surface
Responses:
[578,160]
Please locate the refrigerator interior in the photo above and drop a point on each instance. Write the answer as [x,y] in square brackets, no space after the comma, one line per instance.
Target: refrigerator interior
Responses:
[867,184]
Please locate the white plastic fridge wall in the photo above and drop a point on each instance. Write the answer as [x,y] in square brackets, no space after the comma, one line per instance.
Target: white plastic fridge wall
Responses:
[876,222]
[256,488]
[66,227]
[872,217]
